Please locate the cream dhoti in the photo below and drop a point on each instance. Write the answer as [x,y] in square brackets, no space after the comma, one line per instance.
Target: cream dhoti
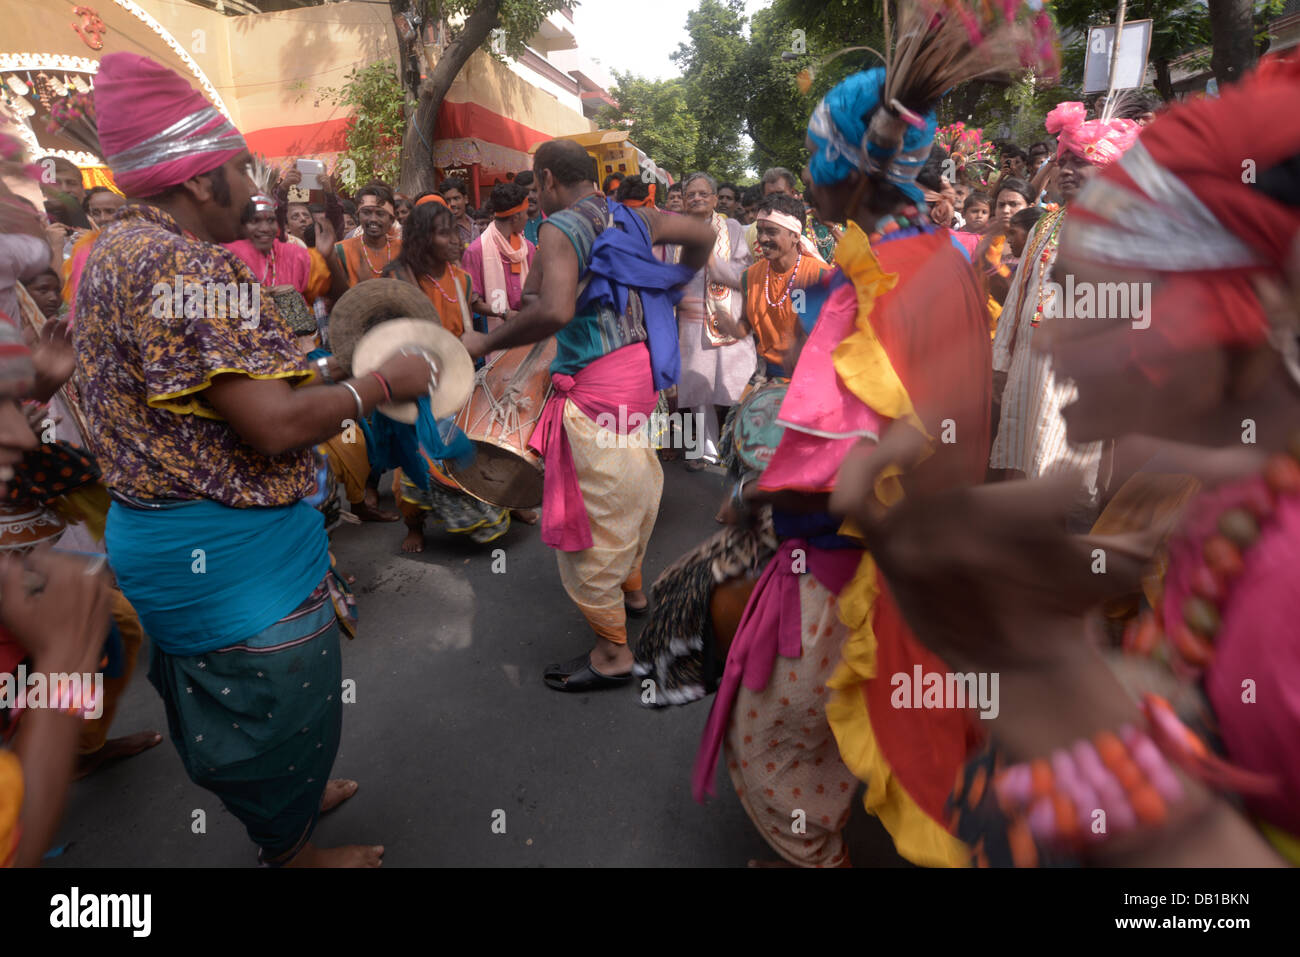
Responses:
[603,482]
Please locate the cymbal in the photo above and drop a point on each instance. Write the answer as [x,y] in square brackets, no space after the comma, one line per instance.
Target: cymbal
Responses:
[455,367]
[369,303]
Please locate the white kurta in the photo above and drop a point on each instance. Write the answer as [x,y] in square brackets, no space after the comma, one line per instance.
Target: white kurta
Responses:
[1031,435]
[714,375]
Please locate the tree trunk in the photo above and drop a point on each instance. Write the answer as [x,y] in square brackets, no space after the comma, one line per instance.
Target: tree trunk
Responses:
[422,105]
[1164,81]
[1232,28]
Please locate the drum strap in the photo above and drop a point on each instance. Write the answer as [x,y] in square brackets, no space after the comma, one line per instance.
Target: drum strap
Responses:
[468,323]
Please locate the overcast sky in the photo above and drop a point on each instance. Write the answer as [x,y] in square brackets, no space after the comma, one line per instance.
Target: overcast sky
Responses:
[637,37]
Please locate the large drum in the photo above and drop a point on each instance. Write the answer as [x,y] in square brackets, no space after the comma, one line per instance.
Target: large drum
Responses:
[502,412]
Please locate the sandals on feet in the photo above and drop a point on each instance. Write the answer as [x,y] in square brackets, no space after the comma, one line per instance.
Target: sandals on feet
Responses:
[578,675]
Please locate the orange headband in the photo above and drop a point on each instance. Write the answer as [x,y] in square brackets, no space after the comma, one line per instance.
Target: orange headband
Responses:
[512,210]
[648,201]
[432,198]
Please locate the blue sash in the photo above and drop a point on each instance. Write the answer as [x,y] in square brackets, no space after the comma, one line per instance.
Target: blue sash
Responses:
[623,260]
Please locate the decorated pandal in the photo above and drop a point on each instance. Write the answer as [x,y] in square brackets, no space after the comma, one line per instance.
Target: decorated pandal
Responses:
[48,62]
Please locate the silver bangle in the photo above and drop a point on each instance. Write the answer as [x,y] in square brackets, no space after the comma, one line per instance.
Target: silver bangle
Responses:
[323,369]
[356,395]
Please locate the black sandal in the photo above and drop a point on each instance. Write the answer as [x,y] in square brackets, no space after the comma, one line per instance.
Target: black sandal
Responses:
[578,675]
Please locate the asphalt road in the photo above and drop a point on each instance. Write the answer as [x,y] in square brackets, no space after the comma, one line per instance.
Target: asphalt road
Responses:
[452,725]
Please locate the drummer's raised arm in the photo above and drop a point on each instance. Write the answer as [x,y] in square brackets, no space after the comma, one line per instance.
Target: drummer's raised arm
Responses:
[554,277]
[694,235]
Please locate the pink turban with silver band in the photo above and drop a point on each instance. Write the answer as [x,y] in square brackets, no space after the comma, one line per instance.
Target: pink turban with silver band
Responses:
[1098,142]
[155,129]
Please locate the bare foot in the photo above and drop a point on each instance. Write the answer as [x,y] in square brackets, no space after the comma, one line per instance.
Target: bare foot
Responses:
[349,855]
[414,540]
[373,513]
[337,791]
[526,515]
[115,749]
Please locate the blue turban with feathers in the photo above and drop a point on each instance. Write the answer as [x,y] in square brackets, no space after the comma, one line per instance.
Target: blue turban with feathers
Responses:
[839,127]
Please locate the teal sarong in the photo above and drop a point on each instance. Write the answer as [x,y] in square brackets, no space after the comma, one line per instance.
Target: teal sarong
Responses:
[258,723]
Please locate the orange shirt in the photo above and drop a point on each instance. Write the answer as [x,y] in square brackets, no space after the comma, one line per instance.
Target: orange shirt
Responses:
[443,296]
[360,262]
[774,326]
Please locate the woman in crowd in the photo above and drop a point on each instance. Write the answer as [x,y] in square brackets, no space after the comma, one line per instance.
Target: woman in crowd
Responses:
[429,259]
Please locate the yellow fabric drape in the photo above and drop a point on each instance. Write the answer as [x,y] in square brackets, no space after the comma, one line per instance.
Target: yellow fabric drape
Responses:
[917,836]
[318,281]
[864,367]
[92,176]
[861,361]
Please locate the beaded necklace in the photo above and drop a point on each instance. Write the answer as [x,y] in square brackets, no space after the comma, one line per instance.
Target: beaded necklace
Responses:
[443,292]
[1218,556]
[907,221]
[1044,270]
[388,256]
[767,275]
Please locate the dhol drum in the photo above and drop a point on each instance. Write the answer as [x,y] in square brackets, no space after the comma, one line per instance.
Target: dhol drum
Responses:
[502,412]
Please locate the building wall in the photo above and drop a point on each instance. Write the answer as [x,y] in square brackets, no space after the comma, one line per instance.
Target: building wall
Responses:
[493,86]
[270,69]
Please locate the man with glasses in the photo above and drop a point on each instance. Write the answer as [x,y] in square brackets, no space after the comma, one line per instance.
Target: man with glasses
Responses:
[715,366]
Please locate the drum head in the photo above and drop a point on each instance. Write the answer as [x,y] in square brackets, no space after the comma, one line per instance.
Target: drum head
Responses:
[455,367]
[499,477]
[756,432]
[369,303]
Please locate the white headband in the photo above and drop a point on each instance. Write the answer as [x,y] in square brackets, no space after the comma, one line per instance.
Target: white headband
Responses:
[782,219]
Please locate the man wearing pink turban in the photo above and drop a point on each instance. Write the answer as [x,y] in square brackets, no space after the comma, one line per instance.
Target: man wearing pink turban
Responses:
[1031,437]
[204,437]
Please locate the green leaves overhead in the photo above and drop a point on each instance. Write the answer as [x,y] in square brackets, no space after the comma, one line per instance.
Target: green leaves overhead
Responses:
[373,95]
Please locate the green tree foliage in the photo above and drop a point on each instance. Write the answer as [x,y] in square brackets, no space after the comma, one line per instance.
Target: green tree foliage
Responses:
[775,112]
[712,63]
[658,116]
[499,27]
[374,135]
[827,31]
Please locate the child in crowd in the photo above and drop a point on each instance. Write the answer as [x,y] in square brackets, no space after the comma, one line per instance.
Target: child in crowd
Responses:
[46,291]
[976,211]
[1022,223]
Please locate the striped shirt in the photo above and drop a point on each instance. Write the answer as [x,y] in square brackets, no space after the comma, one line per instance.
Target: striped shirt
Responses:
[1031,435]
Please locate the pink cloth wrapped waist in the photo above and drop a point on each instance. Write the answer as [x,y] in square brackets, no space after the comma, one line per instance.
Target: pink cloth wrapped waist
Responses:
[770,626]
[617,385]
